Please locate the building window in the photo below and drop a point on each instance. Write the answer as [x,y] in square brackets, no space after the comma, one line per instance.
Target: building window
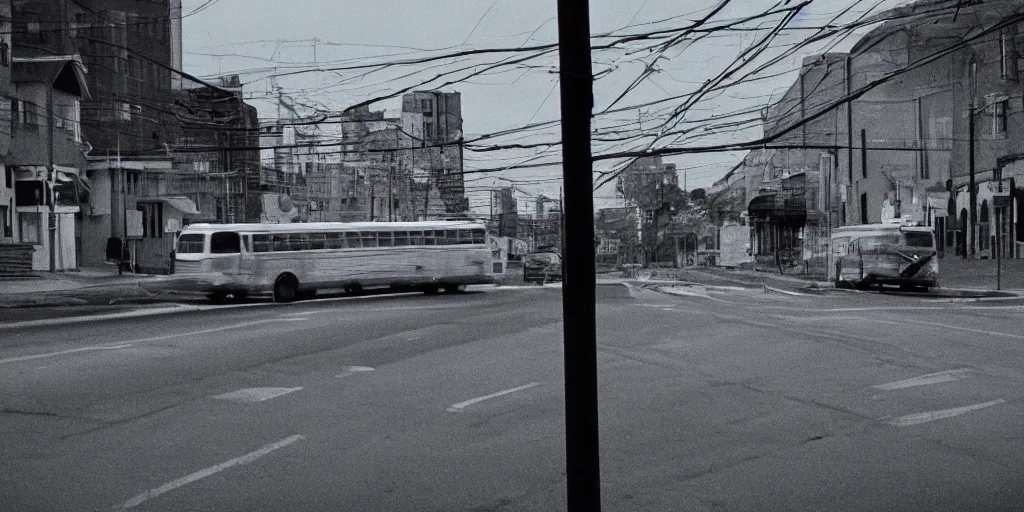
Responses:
[864,208]
[427,106]
[28,226]
[999,118]
[152,219]
[5,53]
[1008,58]
[428,130]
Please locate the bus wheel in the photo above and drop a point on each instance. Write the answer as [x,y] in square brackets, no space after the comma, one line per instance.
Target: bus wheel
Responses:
[285,288]
[217,297]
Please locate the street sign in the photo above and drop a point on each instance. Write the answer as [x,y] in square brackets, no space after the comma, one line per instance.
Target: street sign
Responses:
[1001,201]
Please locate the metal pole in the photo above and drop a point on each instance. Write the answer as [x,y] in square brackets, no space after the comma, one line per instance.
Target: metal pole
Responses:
[863,168]
[51,219]
[999,251]
[972,238]
[583,474]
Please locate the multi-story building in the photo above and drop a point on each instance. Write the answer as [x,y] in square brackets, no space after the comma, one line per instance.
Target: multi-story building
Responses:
[43,189]
[434,120]
[130,49]
[651,188]
[902,149]
[504,212]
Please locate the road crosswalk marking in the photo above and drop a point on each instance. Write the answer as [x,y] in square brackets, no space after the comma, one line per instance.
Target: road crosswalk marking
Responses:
[925,417]
[925,380]
[253,395]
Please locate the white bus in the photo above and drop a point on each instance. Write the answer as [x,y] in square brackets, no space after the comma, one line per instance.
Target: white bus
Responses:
[292,261]
[884,254]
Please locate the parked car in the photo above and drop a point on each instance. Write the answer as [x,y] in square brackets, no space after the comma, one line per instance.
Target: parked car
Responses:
[542,267]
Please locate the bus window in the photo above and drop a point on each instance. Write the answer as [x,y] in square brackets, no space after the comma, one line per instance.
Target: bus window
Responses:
[317,241]
[918,239]
[280,242]
[352,240]
[369,238]
[261,243]
[465,236]
[415,238]
[452,237]
[429,238]
[384,239]
[401,238]
[334,241]
[191,244]
[479,236]
[300,241]
[225,242]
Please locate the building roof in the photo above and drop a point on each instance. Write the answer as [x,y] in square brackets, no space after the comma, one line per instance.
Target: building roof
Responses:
[64,72]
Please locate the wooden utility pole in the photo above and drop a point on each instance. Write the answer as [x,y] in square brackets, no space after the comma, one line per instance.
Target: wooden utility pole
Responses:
[972,190]
[583,474]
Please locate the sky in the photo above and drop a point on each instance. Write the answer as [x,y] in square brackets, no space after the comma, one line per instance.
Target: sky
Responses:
[258,39]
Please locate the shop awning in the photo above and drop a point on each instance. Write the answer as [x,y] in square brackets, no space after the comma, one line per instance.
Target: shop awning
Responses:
[182,204]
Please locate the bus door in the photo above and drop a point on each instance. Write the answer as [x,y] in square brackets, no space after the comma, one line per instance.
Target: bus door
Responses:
[837,251]
[851,266]
[226,252]
[246,258]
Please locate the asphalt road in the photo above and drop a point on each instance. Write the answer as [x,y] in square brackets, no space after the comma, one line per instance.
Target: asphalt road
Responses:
[716,399]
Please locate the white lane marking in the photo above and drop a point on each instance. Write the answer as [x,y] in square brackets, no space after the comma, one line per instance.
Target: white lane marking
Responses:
[965,329]
[63,352]
[198,475]
[925,380]
[352,370]
[462,405]
[398,308]
[784,292]
[96,318]
[813,318]
[253,395]
[130,343]
[685,293]
[925,417]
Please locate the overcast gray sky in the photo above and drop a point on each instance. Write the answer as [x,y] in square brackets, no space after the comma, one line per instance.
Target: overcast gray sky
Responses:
[258,38]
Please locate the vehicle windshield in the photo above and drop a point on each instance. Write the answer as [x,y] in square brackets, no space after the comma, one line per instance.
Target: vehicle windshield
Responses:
[191,243]
[918,239]
[541,259]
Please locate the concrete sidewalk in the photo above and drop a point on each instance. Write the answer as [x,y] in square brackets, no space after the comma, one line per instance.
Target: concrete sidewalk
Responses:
[46,282]
[89,286]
